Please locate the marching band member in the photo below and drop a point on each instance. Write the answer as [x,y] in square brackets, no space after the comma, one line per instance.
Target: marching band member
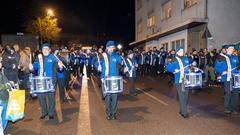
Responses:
[61,76]
[141,62]
[109,67]
[178,68]
[131,73]
[47,65]
[226,67]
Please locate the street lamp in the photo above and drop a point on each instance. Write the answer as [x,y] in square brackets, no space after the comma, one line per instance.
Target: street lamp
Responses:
[50,12]
[119,46]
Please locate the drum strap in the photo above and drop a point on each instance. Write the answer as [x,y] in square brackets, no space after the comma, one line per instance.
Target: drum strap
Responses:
[40,58]
[75,60]
[132,67]
[229,70]
[181,71]
[106,61]
[142,58]
[151,59]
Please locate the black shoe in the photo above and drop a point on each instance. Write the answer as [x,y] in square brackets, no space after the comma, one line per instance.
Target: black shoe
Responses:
[51,117]
[43,116]
[184,115]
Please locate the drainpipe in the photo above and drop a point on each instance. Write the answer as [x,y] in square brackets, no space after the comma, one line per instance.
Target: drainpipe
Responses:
[206,18]
[206,9]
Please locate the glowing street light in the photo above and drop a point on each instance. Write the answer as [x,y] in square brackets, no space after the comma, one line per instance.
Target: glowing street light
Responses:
[50,12]
[119,46]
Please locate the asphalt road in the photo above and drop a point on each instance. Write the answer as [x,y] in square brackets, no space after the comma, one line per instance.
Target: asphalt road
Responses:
[154,111]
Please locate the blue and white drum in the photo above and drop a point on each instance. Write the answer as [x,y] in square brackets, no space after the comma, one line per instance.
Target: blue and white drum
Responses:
[113,84]
[193,80]
[236,81]
[41,84]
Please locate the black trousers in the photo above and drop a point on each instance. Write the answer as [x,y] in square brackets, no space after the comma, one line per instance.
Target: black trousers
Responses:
[131,81]
[62,86]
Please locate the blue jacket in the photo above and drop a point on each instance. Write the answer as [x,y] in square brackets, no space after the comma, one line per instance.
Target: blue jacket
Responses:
[74,60]
[61,74]
[152,58]
[141,59]
[175,65]
[134,68]
[50,67]
[162,57]
[114,60]
[221,65]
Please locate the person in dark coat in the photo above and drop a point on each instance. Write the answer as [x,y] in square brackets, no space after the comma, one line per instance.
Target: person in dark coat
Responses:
[10,64]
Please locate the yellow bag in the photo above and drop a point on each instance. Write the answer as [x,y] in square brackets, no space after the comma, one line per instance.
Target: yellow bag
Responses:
[15,108]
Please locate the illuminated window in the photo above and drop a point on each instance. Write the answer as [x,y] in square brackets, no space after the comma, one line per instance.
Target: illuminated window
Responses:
[167,10]
[151,21]
[189,3]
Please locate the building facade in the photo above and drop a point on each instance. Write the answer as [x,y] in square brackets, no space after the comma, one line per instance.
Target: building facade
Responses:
[186,23]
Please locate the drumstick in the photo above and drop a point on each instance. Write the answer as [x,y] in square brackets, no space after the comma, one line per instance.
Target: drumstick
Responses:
[59,60]
[180,69]
[125,64]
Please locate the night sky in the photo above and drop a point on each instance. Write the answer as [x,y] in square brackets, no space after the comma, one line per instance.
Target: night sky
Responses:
[109,19]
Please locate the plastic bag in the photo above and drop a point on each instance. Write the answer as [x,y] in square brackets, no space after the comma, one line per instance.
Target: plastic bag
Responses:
[15,109]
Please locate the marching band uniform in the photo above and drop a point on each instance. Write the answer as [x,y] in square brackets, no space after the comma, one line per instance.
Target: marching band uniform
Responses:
[178,68]
[131,73]
[141,63]
[74,62]
[226,67]
[61,77]
[162,58]
[108,67]
[47,66]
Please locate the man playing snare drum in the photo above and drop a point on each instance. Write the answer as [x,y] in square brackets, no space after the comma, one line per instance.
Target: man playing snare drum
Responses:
[227,66]
[178,68]
[47,65]
[108,67]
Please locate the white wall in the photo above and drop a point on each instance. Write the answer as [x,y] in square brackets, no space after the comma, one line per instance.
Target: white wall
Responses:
[224,22]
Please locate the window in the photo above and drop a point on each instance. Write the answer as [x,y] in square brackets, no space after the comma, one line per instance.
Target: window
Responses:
[165,46]
[139,26]
[189,3]
[178,43]
[151,21]
[167,10]
[139,4]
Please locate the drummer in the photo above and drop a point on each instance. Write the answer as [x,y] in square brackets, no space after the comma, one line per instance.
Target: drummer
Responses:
[178,68]
[47,65]
[131,73]
[226,67]
[109,67]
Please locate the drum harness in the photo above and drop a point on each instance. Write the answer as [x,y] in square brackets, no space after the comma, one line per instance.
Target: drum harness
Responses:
[105,57]
[132,67]
[229,70]
[40,58]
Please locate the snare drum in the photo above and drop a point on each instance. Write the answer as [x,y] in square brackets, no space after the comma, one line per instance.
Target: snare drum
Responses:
[113,84]
[41,84]
[192,80]
[236,81]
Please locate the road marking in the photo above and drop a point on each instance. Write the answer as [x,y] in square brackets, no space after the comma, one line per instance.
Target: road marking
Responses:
[153,97]
[84,125]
